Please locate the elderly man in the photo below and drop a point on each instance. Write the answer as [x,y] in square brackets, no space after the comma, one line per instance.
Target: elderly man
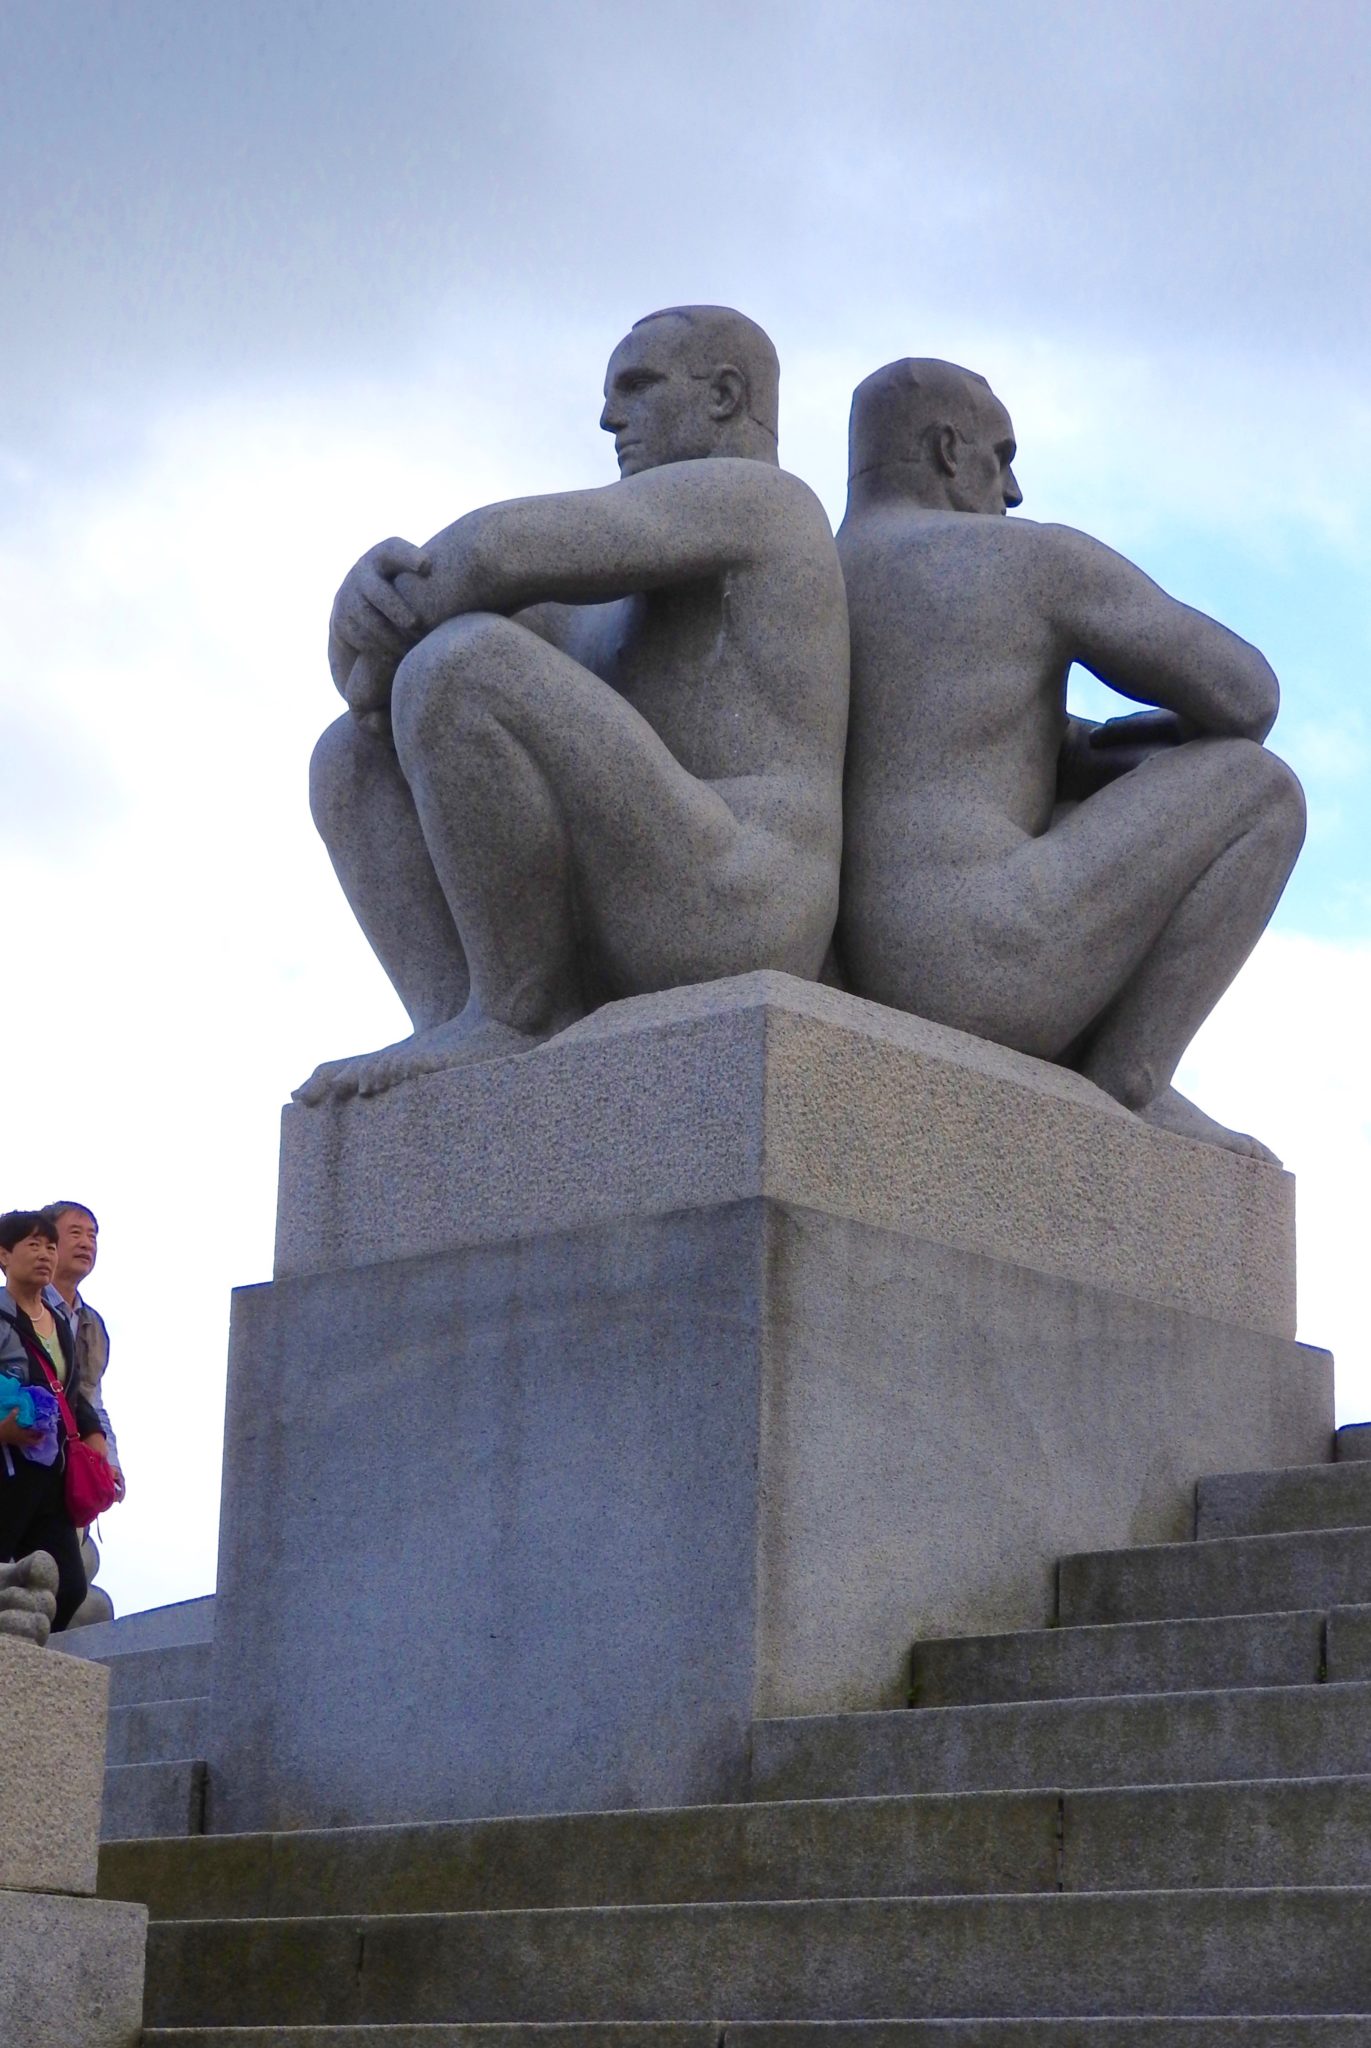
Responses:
[1083,894]
[78,1245]
[594,740]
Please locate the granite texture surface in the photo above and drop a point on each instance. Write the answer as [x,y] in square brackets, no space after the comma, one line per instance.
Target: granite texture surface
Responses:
[696,1467]
[1155,1952]
[768,1085]
[50,1706]
[72,1974]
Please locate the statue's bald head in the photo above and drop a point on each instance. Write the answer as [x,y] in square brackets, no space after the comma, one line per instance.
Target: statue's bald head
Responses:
[713,378]
[894,408]
[715,335]
[912,425]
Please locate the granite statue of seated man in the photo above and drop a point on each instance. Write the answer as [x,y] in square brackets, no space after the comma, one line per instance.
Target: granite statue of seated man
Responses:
[1083,894]
[594,741]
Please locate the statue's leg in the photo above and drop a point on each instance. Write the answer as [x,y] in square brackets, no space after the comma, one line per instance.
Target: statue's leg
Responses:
[1225,820]
[367,820]
[559,825]
[366,817]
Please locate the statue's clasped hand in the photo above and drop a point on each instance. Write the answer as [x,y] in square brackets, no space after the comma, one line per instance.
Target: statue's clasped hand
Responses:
[372,627]
[1122,744]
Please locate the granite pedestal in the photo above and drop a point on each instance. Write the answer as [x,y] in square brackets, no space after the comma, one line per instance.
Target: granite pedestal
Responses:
[71,1965]
[682,1372]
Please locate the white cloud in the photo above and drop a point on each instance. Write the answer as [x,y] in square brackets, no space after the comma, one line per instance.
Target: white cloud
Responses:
[1284,1056]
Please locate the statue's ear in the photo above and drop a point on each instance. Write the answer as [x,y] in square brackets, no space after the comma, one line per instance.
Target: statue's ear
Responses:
[945,449]
[727,393]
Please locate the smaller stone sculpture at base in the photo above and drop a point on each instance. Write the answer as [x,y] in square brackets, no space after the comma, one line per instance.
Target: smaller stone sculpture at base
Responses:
[28,1598]
[1082,894]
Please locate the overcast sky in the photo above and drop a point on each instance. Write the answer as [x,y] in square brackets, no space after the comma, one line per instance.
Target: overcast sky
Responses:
[279,280]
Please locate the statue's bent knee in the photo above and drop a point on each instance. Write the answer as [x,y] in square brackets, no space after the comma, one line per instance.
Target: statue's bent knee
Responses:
[1263,784]
[1286,794]
[332,769]
[456,674]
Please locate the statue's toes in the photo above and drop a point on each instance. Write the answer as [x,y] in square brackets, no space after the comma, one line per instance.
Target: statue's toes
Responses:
[379,1074]
[25,1627]
[43,1575]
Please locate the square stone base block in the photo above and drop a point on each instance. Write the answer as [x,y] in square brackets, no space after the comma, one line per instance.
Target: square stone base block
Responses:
[683,1371]
[765,1085]
[71,1972]
[50,1707]
[544,1524]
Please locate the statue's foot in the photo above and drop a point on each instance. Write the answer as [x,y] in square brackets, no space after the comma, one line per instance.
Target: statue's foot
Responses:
[1172,1111]
[28,1598]
[461,1042]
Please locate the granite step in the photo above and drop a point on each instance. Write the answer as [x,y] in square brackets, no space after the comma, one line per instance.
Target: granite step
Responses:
[1298,1731]
[181,1672]
[1309,2031]
[1347,2031]
[1225,1575]
[1089,1660]
[164,1799]
[157,1731]
[1135,1953]
[1121,1657]
[683,1855]
[664,2034]
[1269,1503]
[1309,1831]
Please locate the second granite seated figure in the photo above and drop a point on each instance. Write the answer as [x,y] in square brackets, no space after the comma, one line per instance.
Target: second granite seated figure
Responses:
[1082,894]
[594,741]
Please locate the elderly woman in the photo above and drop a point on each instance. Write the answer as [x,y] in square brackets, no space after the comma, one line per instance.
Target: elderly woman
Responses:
[33,1506]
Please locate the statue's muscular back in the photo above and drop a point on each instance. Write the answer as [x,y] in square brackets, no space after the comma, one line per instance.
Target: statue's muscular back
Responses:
[958,705]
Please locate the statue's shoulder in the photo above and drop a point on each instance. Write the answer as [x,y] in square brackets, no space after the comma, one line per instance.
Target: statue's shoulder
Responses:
[761,489]
[763,484]
[776,503]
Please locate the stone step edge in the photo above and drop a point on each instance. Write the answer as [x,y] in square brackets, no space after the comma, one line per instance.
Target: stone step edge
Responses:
[1069,1631]
[739,2033]
[1066,1702]
[1197,1545]
[937,1902]
[201,1699]
[237,1843]
[155,1763]
[726,2032]
[1072,1631]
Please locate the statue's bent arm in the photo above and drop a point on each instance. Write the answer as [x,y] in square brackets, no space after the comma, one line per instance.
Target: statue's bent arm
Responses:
[675,524]
[1127,631]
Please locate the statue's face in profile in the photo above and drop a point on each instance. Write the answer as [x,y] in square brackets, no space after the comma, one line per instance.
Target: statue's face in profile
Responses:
[984,479]
[657,406]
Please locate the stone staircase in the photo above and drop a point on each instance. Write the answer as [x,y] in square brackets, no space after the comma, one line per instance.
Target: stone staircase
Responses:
[159,1666]
[1150,1824]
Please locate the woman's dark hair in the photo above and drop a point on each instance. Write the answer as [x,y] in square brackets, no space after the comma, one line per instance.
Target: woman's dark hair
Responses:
[17,1224]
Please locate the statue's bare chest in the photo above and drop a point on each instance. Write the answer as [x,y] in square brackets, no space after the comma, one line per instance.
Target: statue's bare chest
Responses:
[658,646]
